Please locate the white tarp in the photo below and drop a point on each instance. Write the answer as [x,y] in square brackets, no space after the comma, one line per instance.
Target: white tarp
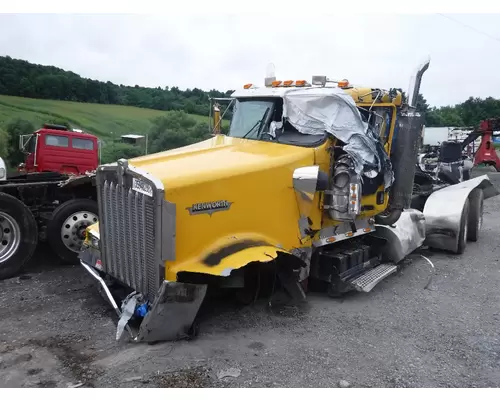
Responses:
[316,110]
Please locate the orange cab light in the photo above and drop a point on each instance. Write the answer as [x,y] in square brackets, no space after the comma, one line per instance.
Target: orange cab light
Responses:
[300,83]
[331,239]
[276,83]
[343,83]
[247,86]
[367,230]
[349,234]
[287,83]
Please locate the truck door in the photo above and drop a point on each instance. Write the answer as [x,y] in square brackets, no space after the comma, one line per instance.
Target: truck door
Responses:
[54,154]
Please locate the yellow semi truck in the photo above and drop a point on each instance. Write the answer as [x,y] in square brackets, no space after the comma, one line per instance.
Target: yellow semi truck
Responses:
[315,179]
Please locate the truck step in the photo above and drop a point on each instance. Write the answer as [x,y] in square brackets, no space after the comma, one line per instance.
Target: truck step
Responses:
[367,281]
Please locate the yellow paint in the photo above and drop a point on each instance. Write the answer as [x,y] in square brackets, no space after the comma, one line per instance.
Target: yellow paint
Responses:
[256,178]
[91,229]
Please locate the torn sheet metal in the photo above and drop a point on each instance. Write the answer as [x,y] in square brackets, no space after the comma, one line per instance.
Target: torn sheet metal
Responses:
[314,111]
[172,313]
[128,308]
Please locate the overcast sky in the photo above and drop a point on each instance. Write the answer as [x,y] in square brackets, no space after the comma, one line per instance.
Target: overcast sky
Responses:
[227,51]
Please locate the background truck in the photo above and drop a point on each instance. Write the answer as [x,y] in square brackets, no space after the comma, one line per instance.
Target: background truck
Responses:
[45,202]
[316,185]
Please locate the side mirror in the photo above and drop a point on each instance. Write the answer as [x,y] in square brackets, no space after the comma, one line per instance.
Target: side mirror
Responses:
[23,141]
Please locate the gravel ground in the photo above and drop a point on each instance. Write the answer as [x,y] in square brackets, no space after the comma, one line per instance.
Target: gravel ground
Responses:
[57,331]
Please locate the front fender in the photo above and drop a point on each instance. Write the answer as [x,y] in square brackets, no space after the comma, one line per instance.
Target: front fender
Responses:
[226,255]
[443,211]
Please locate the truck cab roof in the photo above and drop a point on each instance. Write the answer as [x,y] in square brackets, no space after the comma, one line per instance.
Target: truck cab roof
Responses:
[359,94]
[65,132]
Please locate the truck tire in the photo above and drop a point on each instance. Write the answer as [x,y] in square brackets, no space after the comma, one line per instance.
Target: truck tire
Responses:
[66,228]
[462,233]
[476,199]
[18,235]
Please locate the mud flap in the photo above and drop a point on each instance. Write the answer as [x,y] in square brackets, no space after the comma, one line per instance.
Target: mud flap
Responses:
[172,313]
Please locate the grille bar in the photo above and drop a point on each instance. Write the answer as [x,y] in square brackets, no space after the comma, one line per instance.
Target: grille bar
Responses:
[128,222]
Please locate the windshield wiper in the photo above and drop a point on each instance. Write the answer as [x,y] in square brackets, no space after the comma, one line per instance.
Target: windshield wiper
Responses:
[251,130]
[259,123]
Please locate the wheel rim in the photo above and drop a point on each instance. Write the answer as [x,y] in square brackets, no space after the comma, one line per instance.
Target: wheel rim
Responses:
[10,236]
[73,229]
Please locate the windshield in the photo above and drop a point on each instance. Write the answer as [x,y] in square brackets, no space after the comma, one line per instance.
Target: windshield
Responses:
[249,118]
[252,118]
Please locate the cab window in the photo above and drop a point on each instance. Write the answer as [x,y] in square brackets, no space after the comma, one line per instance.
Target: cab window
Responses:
[84,144]
[56,140]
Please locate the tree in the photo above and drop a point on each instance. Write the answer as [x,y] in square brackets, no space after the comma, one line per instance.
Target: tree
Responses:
[176,129]
[15,129]
[114,151]
[21,78]
[3,144]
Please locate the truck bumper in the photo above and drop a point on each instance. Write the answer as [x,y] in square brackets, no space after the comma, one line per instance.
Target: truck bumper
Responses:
[170,316]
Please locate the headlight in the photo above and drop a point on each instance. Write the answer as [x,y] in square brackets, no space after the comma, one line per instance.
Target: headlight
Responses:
[2,173]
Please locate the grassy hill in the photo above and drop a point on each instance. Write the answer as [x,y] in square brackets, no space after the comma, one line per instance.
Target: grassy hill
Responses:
[103,120]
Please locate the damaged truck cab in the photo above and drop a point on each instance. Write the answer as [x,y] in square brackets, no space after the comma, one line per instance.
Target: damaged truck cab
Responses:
[311,175]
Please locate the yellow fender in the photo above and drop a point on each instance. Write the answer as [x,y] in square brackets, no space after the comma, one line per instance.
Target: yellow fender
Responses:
[228,254]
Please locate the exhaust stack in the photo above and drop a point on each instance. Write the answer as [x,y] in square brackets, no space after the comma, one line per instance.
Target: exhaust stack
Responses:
[414,89]
[404,153]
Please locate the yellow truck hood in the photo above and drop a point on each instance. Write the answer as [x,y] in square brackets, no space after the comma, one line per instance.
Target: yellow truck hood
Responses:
[255,179]
[218,158]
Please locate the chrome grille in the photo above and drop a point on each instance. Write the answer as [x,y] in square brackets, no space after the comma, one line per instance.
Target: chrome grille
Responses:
[129,231]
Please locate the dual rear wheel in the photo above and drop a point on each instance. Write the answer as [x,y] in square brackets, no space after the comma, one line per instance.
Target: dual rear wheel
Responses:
[19,232]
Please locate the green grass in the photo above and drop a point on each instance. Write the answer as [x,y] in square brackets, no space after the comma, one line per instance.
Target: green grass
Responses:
[103,120]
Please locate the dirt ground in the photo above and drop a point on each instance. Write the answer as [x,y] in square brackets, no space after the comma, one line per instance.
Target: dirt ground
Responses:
[57,331]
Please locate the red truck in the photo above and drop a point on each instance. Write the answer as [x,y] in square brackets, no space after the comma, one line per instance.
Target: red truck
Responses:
[53,148]
[51,199]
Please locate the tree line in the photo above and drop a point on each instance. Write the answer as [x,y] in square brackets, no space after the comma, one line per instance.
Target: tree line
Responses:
[22,78]
[25,79]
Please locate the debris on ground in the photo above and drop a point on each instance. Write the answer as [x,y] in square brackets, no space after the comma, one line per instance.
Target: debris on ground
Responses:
[344,384]
[133,379]
[229,373]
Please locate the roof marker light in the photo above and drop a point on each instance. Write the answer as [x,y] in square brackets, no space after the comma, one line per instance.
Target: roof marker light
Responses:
[343,83]
[247,86]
